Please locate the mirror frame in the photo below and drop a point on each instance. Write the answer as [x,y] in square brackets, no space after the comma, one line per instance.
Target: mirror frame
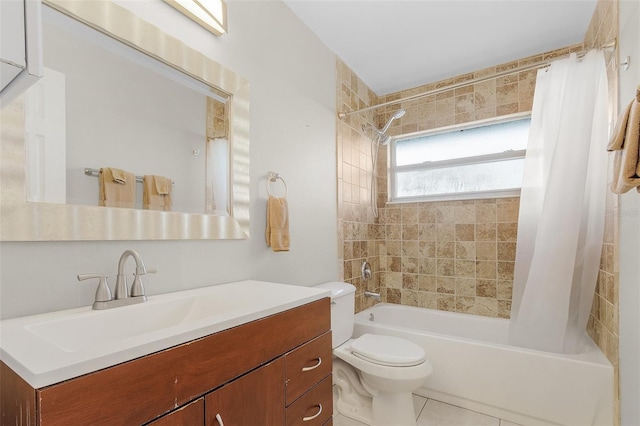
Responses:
[27,221]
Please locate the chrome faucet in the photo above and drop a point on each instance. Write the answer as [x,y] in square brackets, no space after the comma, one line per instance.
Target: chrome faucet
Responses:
[137,289]
[122,297]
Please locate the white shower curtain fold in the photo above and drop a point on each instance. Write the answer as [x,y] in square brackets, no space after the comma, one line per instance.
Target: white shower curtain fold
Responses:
[562,206]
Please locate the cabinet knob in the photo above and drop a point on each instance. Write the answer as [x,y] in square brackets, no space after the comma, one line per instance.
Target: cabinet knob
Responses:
[307,419]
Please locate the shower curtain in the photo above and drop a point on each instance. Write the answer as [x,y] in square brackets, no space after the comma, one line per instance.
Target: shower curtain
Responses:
[562,206]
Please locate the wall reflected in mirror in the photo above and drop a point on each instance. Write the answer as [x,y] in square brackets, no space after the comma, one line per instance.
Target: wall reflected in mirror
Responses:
[103,104]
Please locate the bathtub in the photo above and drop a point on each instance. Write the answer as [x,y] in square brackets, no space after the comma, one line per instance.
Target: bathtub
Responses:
[475,368]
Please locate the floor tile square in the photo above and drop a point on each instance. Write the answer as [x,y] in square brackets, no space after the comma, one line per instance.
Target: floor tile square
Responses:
[437,413]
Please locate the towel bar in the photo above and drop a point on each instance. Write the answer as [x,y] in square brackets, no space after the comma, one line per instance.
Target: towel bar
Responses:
[96,172]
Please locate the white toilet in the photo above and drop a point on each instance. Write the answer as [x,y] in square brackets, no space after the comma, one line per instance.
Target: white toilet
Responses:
[375,375]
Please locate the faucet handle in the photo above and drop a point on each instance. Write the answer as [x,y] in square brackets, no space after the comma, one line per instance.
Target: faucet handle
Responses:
[137,288]
[103,292]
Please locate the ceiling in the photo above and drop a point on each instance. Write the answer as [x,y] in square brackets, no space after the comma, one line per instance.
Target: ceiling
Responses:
[394,45]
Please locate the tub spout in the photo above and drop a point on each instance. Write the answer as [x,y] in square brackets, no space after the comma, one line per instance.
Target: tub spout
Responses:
[374,296]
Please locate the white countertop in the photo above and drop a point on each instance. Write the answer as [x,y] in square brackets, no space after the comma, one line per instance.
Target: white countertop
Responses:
[49,348]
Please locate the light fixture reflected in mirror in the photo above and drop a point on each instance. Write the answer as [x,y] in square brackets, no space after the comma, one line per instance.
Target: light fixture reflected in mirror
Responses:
[211,14]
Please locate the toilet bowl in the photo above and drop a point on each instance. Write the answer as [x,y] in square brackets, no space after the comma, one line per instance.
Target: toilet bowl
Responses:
[375,375]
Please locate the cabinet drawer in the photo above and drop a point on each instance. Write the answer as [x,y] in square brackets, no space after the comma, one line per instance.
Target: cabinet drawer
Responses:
[313,408]
[307,365]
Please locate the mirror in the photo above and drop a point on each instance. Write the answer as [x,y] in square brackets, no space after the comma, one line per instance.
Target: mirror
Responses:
[106,104]
[212,152]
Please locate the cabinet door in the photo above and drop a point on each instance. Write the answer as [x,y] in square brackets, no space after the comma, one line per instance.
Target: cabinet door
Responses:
[191,414]
[256,398]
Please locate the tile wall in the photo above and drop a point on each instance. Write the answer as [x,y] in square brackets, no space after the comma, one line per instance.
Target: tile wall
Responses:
[603,326]
[455,255]
[360,234]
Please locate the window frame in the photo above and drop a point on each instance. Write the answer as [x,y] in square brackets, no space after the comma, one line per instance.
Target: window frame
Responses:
[432,165]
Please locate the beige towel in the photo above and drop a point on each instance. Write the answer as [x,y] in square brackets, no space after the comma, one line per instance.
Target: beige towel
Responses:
[117,188]
[156,193]
[625,140]
[277,233]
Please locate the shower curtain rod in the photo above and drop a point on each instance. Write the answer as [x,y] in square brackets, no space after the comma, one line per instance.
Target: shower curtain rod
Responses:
[609,46]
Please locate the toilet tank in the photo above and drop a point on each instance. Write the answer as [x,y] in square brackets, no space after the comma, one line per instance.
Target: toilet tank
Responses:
[342,310]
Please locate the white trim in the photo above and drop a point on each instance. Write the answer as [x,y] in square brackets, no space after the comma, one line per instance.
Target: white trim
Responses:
[477,195]
[510,154]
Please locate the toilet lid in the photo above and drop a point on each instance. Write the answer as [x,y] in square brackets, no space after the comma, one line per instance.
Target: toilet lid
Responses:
[387,350]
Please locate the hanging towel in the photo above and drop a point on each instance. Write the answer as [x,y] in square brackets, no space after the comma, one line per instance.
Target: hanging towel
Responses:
[625,141]
[277,233]
[156,193]
[117,188]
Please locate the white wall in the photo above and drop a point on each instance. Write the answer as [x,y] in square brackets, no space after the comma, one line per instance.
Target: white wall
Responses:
[292,77]
[629,210]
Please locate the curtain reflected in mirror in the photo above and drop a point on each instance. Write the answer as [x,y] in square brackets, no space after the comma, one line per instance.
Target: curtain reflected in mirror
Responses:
[218,158]
[102,104]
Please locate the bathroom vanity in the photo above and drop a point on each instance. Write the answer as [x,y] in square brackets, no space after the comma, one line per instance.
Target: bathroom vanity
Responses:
[273,370]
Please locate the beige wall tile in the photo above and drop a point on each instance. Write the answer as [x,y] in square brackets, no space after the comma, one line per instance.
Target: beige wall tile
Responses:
[486,306]
[465,232]
[446,285]
[465,286]
[445,249]
[486,269]
[445,232]
[446,302]
[507,251]
[465,304]
[427,283]
[486,250]
[486,232]
[504,289]
[465,268]
[486,213]
[486,288]
[465,250]
[427,232]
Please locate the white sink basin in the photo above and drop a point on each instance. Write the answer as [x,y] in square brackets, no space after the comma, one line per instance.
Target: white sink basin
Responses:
[49,348]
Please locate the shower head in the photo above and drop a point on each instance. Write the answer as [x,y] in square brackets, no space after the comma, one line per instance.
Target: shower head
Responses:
[399,113]
[383,138]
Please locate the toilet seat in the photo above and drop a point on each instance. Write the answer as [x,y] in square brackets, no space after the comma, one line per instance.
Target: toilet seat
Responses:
[387,350]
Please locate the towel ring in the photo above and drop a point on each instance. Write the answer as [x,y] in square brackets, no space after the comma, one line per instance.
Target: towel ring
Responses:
[274,177]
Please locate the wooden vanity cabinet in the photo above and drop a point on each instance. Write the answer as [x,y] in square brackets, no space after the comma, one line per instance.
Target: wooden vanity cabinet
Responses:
[247,374]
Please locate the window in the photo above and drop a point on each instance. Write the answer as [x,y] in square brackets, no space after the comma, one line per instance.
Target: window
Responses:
[479,161]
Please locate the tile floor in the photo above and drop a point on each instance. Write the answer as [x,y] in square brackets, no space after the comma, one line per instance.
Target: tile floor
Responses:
[430,412]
